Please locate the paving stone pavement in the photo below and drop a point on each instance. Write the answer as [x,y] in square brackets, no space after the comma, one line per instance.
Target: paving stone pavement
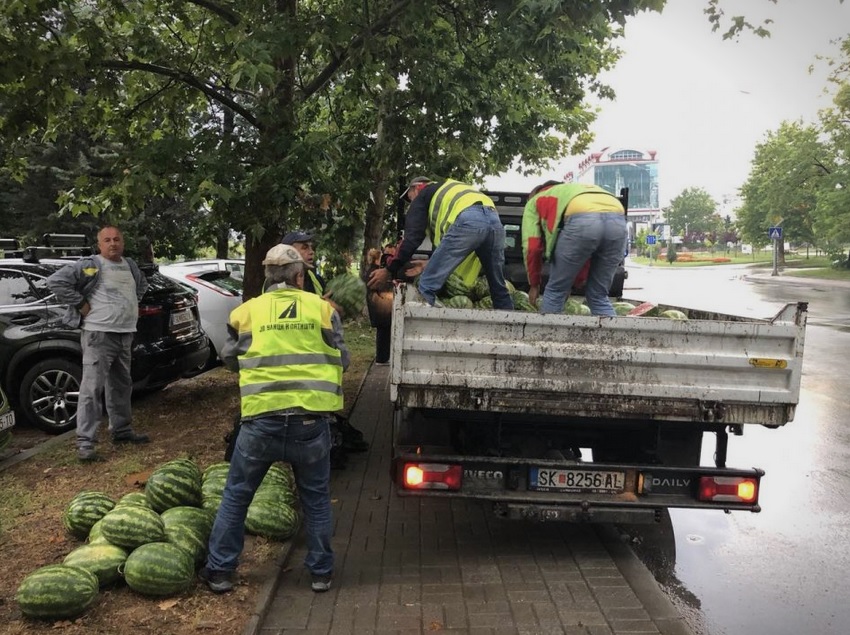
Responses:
[420,565]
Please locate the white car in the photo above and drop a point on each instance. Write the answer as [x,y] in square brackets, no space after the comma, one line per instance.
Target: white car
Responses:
[218,292]
[235,266]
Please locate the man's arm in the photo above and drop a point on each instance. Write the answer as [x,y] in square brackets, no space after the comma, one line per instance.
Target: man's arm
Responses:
[64,284]
[337,340]
[532,243]
[239,338]
[415,230]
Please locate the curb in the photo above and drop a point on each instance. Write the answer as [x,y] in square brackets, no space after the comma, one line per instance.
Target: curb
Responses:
[41,447]
[269,588]
[658,606]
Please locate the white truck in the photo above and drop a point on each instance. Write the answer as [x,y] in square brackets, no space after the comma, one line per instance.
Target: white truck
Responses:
[581,418]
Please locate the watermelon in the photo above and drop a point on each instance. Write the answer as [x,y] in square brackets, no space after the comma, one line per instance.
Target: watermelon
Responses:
[480,290]
[458,302]
[348,291]
[623,307]
[216,470]
[195,518]
[280,474]
[574,307]
[84,510]
[133,498]
[188,540]
[159,568]
[102,559]
[485,303]
[453,286]
[674,314]
[647,309]
[211,504]
[57,591]
[96,533]
[173,484]
[132,525]
[271,520]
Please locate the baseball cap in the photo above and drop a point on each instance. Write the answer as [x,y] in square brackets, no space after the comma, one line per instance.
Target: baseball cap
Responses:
[283,255]
[416,180]
[298,236]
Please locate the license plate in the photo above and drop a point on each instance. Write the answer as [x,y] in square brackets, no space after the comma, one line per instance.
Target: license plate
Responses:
[182,316]
[576,481]
[7,420]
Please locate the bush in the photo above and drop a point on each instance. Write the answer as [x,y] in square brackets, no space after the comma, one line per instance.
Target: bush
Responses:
[671,253]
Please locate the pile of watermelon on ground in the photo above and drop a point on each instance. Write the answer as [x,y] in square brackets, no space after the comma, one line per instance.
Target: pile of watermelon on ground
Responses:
[152,541]
[456,294]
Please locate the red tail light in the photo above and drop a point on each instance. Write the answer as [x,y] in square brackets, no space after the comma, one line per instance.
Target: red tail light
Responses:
[149,309]
[432,476]
[728,489]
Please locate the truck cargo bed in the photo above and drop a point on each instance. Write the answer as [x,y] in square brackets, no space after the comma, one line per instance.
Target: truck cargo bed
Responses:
[710,368]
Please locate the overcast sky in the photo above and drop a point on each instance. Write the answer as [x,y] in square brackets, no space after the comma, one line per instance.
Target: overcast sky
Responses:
[703,103]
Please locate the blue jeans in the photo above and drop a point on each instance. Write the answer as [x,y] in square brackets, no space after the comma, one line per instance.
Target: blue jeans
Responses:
[598,236]
[261,442]
[476,229]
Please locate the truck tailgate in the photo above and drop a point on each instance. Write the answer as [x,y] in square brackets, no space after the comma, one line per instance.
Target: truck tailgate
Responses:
[712,367]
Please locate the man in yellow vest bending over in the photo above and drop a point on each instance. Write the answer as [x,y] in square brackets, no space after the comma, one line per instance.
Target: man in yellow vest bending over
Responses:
[467,235]
[287,345]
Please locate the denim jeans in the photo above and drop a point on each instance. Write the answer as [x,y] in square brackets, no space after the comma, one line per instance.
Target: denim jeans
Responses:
[476,229]
[261,442]
[598,236]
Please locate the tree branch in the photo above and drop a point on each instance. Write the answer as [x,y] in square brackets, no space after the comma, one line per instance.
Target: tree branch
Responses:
[356,42]
[226,14]
[189,80]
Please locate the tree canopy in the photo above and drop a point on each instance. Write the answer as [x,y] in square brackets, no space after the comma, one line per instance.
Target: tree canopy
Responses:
[691,211]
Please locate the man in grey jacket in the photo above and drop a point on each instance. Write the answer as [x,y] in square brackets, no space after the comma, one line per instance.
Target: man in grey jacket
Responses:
[103,293]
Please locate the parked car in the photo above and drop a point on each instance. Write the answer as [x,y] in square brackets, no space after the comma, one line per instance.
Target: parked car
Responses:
[234,266]
[218,292]
[7,420]
[40,359]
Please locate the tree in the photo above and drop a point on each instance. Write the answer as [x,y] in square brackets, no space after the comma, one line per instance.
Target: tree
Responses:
[783,184]
[263,116]
[691,212]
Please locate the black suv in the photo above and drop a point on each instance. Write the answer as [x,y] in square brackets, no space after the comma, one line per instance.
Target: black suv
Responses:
[40,358]
[510,206]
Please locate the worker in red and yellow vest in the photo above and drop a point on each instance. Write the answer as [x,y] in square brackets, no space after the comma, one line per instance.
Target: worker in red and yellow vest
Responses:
[570,224]
[287,345]
[467,235]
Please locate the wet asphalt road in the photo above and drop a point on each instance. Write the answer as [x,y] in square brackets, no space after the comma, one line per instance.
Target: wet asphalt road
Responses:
[782,571]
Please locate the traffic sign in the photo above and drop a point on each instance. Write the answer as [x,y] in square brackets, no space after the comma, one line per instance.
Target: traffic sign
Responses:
[650,240]
[775,233]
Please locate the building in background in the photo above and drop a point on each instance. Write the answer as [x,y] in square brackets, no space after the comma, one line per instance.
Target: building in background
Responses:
[634,169]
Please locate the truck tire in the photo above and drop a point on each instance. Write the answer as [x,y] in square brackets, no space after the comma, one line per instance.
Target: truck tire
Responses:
[49,394]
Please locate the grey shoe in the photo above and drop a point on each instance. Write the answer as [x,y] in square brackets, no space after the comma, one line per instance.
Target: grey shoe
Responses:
[133,437]
[87,454]
[321,583]
[217,581]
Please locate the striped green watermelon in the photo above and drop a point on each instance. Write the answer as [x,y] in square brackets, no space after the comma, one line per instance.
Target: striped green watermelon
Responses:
[133,498]
[623,307]
[216,470]
[188,540]
[102,559]
[454,286]
[458,302]
[674,314]
[485,303]
[574,307]
[348,291]
[159,568]
[173,484]
[281,474]
[96,534]
[84,510]
[194,518]
[480,290]
[211,504]
[132,525]
[275,521]
[57,591]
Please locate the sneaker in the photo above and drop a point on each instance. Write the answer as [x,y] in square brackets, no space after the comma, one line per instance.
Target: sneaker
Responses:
[87,454]
[134,437]
[321,583]
[217,581]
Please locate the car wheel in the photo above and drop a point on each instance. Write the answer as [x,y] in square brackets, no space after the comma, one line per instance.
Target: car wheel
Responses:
[49,395]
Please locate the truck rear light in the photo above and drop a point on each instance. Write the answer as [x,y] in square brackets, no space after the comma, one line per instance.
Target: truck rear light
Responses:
[432,476]
[728,489]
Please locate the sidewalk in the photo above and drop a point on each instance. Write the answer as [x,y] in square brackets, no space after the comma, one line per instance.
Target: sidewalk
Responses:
[410,565]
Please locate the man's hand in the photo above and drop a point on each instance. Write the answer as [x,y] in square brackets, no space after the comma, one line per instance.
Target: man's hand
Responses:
[415,267]
[378,278]
[533,294]
[336,307]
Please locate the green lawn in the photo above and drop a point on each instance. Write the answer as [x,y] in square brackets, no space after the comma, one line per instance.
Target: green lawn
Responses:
[797,265]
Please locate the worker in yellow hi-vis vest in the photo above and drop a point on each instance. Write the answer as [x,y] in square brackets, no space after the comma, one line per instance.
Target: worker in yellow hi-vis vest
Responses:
[467,235]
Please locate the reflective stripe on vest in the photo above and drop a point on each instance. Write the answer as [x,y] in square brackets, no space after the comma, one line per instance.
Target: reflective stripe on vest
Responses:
[288,363]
